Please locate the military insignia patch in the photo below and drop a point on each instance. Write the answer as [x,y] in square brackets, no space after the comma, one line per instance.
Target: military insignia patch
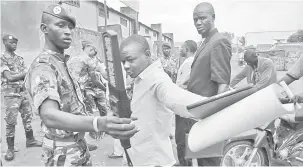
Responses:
[57,10]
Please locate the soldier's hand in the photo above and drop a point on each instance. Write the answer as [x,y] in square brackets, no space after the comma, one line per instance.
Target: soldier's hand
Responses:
[118,128]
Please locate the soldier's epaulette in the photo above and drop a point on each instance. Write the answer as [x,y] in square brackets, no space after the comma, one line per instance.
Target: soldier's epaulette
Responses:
[43,58]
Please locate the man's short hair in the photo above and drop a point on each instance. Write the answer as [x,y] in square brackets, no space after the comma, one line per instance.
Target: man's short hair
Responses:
[191,45]
[138,39]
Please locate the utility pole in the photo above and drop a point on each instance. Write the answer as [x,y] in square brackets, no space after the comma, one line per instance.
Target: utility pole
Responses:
[105,9]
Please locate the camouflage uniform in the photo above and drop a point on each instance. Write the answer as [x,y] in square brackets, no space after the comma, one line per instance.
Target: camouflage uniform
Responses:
[14,97]
[170,67]
[80,67]
[49,78]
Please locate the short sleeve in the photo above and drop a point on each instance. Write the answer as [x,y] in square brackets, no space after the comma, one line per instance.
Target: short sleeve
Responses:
[220,62]
[43,84]
[296,70]
[4,66]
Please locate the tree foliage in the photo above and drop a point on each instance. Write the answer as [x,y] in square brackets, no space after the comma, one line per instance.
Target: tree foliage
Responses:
[296,37]
[229,35]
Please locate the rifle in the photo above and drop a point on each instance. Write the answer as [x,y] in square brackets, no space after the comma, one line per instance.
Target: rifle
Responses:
[118,99]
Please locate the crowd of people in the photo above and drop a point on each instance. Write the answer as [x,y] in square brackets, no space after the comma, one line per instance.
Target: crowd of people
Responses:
[71,93]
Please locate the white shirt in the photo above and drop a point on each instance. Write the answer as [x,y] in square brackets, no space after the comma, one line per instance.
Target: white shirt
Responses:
[155,97]
[184,71]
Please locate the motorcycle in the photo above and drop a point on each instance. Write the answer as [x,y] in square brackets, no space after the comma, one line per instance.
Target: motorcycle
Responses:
[280,142]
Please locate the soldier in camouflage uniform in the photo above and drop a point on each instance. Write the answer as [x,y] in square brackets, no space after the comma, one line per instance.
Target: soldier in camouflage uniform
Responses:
[168,62]
[13,72]
[170,67]
[86,69]
[59,101]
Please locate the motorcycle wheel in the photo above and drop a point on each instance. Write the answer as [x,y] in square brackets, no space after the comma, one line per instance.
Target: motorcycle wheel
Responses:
[237,153]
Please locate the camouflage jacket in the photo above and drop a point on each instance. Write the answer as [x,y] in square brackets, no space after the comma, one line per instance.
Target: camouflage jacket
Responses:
[49,78]
[169,66]
[15,65]
[80,67]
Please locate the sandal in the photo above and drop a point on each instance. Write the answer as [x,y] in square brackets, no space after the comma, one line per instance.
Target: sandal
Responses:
[113,156]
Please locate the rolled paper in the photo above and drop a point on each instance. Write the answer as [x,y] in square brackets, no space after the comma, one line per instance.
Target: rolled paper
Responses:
[250,112]
[217,103]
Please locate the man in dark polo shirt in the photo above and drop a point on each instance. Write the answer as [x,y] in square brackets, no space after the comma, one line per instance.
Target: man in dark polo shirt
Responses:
[211,68]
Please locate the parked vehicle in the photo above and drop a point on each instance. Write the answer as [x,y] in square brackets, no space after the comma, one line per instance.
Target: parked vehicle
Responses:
[279,142]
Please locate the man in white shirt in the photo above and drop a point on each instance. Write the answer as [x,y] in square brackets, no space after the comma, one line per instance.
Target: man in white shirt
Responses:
[155,98]
[187,51]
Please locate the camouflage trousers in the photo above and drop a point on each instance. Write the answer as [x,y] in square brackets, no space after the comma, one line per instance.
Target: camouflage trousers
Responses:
[14,105]
[76,154]
[98,102]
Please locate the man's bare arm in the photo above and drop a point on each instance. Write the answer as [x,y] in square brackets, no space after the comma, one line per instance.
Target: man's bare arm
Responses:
[52,117]
[97,81]
[13,77]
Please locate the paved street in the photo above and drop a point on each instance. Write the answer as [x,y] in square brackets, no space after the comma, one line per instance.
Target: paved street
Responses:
[31,156]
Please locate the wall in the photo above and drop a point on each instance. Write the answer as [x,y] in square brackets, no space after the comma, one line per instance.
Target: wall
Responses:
[79,35]
[149,35]
[282,59]
[86,15]
[114,18]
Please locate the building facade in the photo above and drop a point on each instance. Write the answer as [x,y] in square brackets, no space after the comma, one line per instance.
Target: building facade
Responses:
[24,21]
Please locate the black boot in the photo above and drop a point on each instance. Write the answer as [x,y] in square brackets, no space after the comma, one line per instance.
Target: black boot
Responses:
[10,153]
[31,141]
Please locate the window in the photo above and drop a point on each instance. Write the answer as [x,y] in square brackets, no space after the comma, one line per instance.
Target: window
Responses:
[123,21]
[102,11]
[146,31]
[139,27]
[75,3]
[155,34]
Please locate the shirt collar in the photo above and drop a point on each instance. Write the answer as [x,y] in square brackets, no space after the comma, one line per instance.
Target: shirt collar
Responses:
[9,55]
[150,69]
[59,56]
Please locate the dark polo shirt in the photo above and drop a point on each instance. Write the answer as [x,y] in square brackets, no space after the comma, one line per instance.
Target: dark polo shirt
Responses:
[211,65]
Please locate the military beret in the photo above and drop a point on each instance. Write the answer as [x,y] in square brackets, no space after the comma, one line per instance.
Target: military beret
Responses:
[9,36]
[166,45]
[88,43]
[58,11]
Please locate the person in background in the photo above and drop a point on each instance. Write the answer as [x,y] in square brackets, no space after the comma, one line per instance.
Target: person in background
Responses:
[295,73]
[211,69]
[169,65]
[86,70]
[259,71]
[13,71]
[187,51]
